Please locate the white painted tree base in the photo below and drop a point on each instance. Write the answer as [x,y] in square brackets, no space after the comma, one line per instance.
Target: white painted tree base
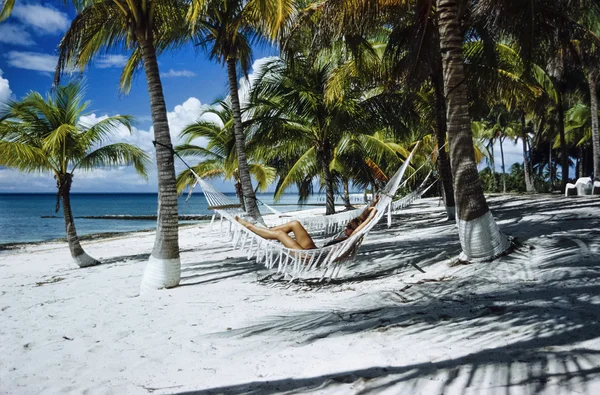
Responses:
[451,213]
[84,260]
[481,239]
[159,274]
[596,189]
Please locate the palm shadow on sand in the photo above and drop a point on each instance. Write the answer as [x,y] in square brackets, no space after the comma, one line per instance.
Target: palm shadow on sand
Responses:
[538,329]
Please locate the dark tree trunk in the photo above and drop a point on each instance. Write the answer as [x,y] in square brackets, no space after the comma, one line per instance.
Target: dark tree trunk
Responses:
[82,259]
[592,82]
[550,167]
[347,202]
[579,163]
[479,235]
[328,178]
[164,268]
[501,139]
[564,160]
[240,194]
[493,164]
[529,185]
[240,144]
[443,162]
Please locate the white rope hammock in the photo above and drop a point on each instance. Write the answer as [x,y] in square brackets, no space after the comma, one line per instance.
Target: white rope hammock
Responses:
[299,263]
[399,204]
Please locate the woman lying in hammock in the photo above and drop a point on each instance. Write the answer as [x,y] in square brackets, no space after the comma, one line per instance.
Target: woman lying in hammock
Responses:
[301,239]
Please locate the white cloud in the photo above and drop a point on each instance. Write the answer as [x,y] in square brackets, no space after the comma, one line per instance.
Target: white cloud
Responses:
[107,61]
[178,73]
[32,61]
[43,19]
[5,91]
[15,35]
[245,84]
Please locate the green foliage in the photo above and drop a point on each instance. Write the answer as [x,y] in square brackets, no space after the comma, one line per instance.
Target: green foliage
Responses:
[45,134]
[219,157]
[226,29]
[116,26]
[6,9]
[308,131]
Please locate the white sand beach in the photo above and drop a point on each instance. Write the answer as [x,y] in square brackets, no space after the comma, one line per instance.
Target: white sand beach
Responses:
[400,320]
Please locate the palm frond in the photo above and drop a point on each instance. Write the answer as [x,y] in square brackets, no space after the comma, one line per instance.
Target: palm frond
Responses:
[117,154]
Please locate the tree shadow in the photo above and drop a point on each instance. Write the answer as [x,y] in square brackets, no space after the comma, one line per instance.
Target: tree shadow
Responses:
[533,321]
[206,272]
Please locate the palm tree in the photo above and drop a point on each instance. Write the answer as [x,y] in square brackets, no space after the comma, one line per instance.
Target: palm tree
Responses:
[145,28]
[552,27]
[307,128]
[219,155]
[41,134]
[479,234]
[226,29]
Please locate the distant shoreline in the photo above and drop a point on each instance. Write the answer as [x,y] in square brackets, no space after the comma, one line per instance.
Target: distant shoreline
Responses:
[92,236]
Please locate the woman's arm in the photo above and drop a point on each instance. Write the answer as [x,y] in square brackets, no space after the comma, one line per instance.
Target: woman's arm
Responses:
[371,213]
[363,217]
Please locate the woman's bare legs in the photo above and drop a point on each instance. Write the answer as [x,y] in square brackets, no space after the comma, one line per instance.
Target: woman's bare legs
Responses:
[300,234]
[303,240]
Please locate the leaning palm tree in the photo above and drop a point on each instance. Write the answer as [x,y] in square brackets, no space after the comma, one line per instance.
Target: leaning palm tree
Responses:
[226,29]
[144,28]
[46,135]
[218,153]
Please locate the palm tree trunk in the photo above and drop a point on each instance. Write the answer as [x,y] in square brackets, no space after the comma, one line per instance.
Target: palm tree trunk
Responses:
[443,163]
[164,266]
[592,82]
[329,185]
[579,163]
[529,186]
[82,259]
[550,167]
[563,143]
[493,164]
[503,166]
[240,193]
[240,144]
[479,234]
[347,202]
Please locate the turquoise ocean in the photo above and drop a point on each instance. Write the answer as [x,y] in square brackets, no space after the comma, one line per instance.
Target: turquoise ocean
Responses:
[31,217]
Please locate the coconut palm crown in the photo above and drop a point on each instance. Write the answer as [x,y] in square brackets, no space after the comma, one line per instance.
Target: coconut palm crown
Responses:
[226,29]
[46,134]
[218,154]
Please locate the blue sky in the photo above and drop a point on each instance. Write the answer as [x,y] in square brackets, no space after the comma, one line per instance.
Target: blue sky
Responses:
[28,42]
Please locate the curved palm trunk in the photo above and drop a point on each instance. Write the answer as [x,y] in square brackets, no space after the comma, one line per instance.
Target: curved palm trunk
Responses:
[240,144]
[82,259]
[503,166]
[164,267]
[564,160]
[480,236]
[595,134]
[529,186]
[443,162]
